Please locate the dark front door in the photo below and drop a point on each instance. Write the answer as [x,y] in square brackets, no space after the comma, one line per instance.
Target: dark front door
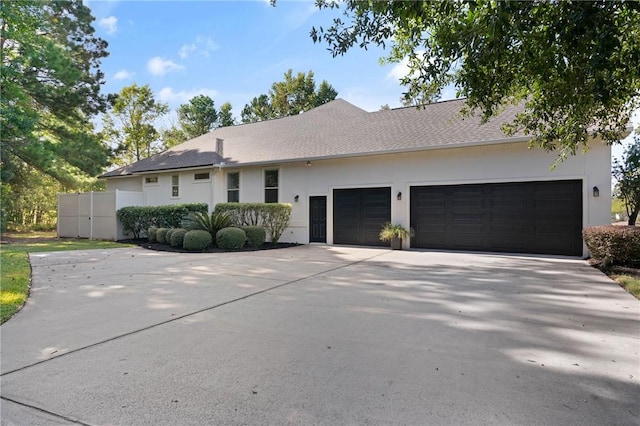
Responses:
[523,217]
[359,214]
[318,219]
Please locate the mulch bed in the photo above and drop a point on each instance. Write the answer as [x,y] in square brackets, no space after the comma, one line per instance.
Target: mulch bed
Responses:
[165,247]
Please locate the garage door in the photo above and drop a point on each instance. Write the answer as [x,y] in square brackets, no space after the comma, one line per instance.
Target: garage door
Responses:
[523,217]
[358,215]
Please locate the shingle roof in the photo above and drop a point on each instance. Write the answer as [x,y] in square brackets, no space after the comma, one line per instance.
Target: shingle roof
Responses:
[335,129]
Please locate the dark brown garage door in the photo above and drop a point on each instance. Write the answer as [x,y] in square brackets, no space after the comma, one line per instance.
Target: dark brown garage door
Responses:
[358,215]
[524,217]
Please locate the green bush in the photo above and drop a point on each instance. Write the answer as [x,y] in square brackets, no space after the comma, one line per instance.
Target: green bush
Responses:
[210,223]
[619,245]
[177,237]
[167,237]
[151,234]
[274,217]
[161,235]
[136,220]
[231,238]
[196,240]
[256,235]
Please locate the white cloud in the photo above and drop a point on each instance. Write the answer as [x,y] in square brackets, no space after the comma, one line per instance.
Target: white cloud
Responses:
[160,66]
[110,24]
[123,75]
[202,45]
[167,94]
[186,49]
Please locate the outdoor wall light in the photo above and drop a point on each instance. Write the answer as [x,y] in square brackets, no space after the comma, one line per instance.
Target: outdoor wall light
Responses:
[399,196]
[296,198]
[596,192]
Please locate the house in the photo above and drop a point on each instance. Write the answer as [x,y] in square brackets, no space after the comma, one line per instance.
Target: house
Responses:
[460,184]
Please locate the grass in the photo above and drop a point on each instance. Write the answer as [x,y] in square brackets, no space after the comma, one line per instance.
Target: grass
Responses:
[629,282]
[15,270]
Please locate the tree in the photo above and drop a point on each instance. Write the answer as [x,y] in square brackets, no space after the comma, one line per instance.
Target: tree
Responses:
[172,136]
[293,95]
[129,125]
[575,66]
[197,117]
[225,117]
[50,81]
[627,174]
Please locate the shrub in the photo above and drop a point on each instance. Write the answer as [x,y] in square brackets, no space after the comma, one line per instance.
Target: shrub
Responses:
[256,235]
[161,235]
[274,217]
[151,234]
[618,245]
[210,223]
[136,219]
[231,238]
[196,240]
[167,236]
[177,237]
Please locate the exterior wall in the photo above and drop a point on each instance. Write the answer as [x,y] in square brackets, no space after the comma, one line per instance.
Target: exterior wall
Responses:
[483,164]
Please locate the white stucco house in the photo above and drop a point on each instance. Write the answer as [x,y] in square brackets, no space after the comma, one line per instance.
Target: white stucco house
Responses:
[459,184]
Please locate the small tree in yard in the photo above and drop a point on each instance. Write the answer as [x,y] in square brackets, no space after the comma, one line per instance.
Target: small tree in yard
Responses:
[627,173]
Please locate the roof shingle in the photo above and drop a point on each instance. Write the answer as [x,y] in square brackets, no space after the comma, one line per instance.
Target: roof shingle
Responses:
[335,129]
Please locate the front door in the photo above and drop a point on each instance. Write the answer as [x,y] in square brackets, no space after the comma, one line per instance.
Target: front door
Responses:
[318,219]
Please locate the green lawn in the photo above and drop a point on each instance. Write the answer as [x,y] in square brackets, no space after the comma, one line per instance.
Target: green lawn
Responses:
[629,282]
[15,271]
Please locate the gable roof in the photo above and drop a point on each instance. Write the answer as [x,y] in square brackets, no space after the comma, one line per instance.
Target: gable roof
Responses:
[335,129]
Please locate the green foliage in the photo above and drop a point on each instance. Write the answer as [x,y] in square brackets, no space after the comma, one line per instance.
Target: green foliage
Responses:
[167,237]
[210,223]
[274,217]
[136,220]
[225,117]
[177,237]
[197,117]
[614,245]
[151,234]
[231,238]
[196,239]
[627,175]
[256,235]
[390,231]
[50,78]
[129,125]
[172,136]
[161,235]
[291,96]
[574,65]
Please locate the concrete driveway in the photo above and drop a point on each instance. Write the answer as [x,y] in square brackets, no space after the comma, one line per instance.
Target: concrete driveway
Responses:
[320,335]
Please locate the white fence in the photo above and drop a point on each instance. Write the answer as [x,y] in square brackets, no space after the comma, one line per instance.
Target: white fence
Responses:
[93,214]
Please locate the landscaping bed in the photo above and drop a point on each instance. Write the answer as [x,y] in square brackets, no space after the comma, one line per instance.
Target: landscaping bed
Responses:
[144,243]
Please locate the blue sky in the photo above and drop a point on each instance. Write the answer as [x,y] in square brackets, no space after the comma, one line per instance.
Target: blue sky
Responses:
[233,51]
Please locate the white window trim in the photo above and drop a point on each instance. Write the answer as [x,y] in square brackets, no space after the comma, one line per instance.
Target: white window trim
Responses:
[226,184]
[264,182]
[145,183]
[207,180]
[171,185]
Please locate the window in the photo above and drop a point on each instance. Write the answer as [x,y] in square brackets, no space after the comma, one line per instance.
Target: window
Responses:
[270,186]
[151,179]
[175,185]
[201,176]
[233,187]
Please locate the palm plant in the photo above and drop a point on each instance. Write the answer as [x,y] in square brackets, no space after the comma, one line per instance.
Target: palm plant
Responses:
[211,223]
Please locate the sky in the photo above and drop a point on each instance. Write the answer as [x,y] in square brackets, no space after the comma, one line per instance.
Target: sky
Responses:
[233,51]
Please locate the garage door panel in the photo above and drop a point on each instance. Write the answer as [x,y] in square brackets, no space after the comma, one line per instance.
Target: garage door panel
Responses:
[359,214]
[524,217]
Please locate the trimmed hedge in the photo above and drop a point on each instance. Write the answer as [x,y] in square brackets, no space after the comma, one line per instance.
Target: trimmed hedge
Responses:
[151,234]
[619,245]
[231,238]
[256,235]
[177,237]
[210,223]
[136,219]
[196,240]
[274,217]
[167,237]
[161,235]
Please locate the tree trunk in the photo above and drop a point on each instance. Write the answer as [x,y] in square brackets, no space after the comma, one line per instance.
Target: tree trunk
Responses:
[632,217]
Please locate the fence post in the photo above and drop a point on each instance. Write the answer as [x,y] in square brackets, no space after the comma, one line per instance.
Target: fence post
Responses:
[91,215]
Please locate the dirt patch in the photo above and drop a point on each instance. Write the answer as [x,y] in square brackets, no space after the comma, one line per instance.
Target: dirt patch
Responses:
[27,237]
